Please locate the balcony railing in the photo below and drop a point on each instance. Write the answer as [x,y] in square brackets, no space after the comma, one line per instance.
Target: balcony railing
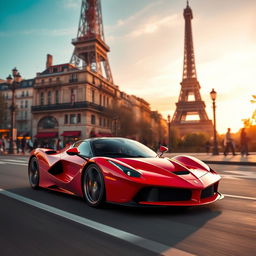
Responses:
[67,106]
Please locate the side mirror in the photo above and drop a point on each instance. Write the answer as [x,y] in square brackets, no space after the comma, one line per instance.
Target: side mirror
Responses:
[162,150]
[73,152]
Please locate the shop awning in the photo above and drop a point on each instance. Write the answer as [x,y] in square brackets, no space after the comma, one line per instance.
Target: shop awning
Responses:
[71,134]
[47,135]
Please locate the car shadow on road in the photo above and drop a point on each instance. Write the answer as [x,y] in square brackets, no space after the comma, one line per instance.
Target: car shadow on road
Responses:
[168,225]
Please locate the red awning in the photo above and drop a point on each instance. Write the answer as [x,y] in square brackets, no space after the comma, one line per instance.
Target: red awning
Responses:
[47,135]
[71,134]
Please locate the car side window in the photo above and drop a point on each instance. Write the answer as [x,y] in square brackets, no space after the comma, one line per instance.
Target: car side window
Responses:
[85,149]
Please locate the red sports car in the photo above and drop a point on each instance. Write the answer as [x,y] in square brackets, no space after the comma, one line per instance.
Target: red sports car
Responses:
[123,171]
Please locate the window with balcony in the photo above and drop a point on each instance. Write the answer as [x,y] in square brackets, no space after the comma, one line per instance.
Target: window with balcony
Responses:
[93,119]
[49,96]
[41,98]
[73,119]
[79,118]
[57,97]
[21,104]
[73,78]
[93,96]
[104,100]
[66,119]
[26,103]
[72,96]
[100,99]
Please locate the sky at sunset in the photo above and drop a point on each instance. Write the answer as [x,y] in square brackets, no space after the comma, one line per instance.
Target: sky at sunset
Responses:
[146,39]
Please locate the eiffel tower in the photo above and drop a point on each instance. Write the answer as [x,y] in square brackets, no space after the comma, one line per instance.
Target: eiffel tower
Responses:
[90,50]
[190,115]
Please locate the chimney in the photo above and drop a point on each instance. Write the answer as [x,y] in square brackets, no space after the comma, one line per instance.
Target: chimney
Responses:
[49,60]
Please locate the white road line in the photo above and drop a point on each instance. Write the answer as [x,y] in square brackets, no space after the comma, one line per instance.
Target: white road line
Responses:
[240,197]
[16,160]
[123,235]
[1,162]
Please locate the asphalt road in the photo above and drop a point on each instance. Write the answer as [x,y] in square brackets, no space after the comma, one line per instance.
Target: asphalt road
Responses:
[227,227]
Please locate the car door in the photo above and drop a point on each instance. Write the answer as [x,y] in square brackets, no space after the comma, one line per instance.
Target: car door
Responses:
[73,164]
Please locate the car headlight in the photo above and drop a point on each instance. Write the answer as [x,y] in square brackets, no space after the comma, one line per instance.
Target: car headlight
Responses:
[128,171]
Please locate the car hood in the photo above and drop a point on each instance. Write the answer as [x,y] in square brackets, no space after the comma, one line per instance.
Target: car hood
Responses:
[163,166]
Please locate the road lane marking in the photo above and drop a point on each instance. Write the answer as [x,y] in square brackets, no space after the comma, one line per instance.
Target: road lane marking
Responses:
[240,197]
[1,162]
[16,160]
[120,234]
[236,175]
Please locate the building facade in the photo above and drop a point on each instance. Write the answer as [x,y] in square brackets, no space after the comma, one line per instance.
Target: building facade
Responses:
[71,103]
[23,102]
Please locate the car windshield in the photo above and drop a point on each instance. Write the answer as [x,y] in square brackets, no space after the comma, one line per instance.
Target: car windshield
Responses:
[120,148]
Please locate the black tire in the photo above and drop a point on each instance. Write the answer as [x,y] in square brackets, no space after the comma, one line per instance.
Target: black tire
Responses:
[93,186]
[33,173]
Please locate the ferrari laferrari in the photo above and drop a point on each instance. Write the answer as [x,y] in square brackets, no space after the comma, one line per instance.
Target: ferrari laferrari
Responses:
[123,171]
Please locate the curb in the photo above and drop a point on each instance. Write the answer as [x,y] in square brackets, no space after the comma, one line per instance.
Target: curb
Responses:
[230,163]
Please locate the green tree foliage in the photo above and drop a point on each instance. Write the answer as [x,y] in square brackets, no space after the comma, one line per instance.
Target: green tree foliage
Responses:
[124,121]
[195,140]
[127,123]
[174,138]
[146,134]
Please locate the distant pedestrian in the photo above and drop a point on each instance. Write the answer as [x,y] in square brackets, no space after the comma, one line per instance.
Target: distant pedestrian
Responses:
[207,147]
[23,145]
[30,145]
[229,143]
[35,144]
[244,143]
[1,146]
[58,144]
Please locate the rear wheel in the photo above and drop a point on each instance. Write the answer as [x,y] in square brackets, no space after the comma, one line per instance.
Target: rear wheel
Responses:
[93,186]
[33,173]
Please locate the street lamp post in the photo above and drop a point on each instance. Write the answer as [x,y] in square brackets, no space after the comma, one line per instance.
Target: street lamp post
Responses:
[215,142]
[13,83]
[169,132]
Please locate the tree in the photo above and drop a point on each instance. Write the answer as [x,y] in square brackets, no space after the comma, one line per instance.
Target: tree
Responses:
[194,142]
[124,121]
[174,138]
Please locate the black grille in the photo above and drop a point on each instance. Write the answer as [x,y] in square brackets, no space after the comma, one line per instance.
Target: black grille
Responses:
[162,194]
[207,192]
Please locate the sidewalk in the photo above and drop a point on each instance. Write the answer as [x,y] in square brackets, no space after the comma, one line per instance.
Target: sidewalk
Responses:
[221,159]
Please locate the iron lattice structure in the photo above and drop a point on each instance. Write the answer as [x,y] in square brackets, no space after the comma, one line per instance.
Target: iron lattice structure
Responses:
[190,103]
[90,50]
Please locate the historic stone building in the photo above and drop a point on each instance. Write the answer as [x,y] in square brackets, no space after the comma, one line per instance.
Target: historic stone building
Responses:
[80,100]
[23,102]
[71,103]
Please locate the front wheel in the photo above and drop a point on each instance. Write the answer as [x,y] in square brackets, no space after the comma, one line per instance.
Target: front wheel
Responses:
[93,186]
[33,173]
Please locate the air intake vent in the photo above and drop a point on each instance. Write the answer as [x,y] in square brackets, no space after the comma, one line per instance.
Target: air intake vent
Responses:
[181,172]
[207,192]
[162,194]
